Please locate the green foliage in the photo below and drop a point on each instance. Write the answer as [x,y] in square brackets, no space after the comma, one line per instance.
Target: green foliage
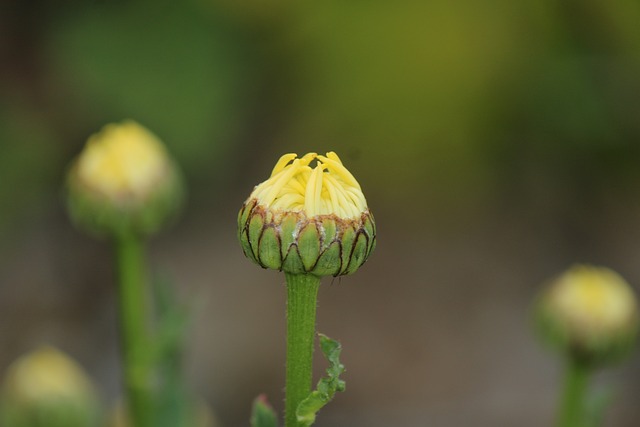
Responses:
[28,160]
[172,401]
[173,405]
[58,412]
[263,414]
[173,66]
[327,387]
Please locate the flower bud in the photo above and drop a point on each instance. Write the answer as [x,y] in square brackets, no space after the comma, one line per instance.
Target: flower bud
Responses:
[48,389]
[123,181]
[305,220]
[591,313]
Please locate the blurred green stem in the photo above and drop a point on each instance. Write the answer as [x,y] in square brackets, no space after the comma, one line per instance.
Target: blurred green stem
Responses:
[133,328]
[302,293]
[572,407]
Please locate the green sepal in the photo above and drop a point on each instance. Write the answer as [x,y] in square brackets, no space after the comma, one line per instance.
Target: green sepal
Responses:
[293,263]
[325,245]
[369,228]
[269,249]
[309,246]
[256,226]
[329,231]
[288,232]
[348,242]
[246,246]
[327,387]
[359,254]
[243,216]
[263,414]
[329,263]
[372,245]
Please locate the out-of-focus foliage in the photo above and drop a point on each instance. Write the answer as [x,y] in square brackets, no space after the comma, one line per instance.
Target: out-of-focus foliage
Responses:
[448,96]
[27,160]
[462,103]
[262,414]
[457,102]
[167,64]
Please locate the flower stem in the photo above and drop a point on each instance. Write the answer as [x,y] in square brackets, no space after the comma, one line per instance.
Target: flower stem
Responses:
[302,293]
[572,409]
[133,309]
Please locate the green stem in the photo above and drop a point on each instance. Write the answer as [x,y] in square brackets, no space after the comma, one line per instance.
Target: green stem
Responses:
[133,309]
[302,293]
[572,409]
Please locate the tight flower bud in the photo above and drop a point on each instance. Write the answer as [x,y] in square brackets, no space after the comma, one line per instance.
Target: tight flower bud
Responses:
[46,388]
[123,181]
[589,312]
[305,220]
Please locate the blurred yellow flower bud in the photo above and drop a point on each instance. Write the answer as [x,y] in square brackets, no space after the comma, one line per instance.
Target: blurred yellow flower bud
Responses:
[305,220]
[46,388]
[591,312]
[123,180]
[122,161]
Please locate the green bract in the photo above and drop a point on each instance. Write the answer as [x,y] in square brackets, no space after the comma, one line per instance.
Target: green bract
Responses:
[324,245]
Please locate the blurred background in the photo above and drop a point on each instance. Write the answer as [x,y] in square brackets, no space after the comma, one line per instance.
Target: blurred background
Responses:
[497,143]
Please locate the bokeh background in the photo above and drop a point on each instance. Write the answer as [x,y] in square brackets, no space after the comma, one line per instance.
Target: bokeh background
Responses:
[497,143]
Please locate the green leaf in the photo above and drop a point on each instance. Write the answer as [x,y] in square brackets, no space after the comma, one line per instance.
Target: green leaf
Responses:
[263,414]
[327,387]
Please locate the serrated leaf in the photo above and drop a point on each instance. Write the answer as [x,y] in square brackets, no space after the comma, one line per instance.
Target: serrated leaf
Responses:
[263,414]
[327,387]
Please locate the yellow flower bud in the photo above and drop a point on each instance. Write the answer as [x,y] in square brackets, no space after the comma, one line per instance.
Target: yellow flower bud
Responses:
[305,220]
[591,312]
[122,161]
[123,180]
[46,388]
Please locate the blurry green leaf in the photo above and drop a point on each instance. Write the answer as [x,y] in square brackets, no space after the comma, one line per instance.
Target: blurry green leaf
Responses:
[327,387]
[263,414]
